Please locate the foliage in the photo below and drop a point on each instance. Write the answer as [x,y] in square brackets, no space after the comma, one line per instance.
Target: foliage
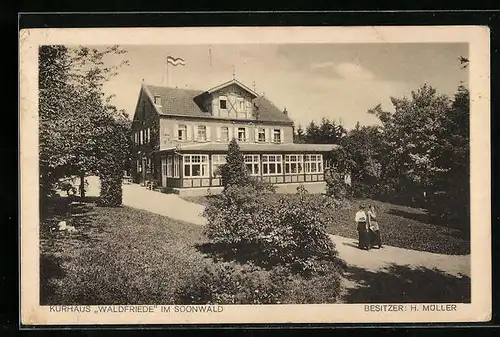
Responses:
[451,194]
[227,283]
[234,171]
[271,229]
[223,283]
[336,186]
[327,132]
[76,118]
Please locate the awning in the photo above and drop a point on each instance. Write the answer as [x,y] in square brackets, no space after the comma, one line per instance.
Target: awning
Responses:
[254,147]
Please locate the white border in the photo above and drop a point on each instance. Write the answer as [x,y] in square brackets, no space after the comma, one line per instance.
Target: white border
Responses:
[476,36]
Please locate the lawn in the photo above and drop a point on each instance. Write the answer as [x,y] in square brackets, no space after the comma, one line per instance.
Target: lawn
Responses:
[128,256]
[118,256]
[400,226]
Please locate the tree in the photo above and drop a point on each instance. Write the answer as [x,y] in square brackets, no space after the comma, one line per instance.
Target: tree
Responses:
[410,136]
[452,180]
[75,114]
[328,132]
[299,135]
[234,171]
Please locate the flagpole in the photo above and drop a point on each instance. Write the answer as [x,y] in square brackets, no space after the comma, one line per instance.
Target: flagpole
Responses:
[168,80]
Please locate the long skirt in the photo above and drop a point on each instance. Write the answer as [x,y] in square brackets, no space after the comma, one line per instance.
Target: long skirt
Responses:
[375,238]
[363,238]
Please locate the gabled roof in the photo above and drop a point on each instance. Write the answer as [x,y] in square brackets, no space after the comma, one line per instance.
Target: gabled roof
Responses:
[189,103]
[235,82]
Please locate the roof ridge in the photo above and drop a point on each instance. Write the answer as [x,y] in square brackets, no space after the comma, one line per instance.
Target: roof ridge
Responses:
[169,87]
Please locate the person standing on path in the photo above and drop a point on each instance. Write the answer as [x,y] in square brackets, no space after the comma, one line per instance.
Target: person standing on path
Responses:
[361,220]
[374,227]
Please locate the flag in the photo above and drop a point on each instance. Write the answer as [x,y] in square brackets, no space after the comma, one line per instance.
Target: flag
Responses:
[175,61]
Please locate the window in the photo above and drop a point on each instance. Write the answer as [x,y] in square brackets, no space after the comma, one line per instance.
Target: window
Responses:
[271,164]
[242,105]
[252,162]
[176,166]
[241,134]
[293,163]
[224,133]
[181,132]
[170,167]
[277,135]
[262,135]
[223,103]
[313,163]
[157,99]
[195,165]
[164,167]
[202,133]
[217,161]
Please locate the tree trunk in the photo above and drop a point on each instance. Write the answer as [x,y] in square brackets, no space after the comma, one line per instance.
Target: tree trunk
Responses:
[82,185]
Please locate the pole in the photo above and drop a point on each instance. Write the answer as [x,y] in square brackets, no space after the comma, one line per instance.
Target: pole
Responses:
[168,80]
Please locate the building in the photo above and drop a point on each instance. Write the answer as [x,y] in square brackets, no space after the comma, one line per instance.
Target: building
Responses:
[181,137]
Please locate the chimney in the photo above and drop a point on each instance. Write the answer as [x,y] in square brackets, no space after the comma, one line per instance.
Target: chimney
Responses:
[285,112]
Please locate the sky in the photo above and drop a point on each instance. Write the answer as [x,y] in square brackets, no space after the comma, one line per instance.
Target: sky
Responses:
[337,81]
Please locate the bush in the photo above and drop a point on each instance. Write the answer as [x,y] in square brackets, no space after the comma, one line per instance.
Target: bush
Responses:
[111,189]
[336,186]
[271,229]
[234,171]
[226,283]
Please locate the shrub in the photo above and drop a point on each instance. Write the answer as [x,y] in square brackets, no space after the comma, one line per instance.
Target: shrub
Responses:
[111,189]
[226,283]
[222,283]
[234,171]
[336,186]
[287,231]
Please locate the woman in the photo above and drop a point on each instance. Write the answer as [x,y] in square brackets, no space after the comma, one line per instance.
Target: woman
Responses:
[363,240]
[373,227]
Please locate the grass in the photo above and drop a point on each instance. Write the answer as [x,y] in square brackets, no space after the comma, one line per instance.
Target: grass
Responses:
[400,226]
[128,256]
[118,256]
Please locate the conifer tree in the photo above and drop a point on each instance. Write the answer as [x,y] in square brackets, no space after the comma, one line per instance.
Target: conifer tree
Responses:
[234,172]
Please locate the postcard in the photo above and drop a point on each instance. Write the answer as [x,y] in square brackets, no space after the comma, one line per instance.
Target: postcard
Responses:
[231,175]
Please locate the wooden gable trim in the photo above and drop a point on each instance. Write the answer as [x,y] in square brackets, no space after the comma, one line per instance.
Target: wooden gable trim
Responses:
[235,82]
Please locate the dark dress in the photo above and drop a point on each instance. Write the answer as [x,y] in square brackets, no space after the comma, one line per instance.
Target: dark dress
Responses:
[374,234]
[363,239]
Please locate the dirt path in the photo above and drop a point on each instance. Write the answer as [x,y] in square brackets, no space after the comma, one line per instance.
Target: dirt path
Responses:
[376,275]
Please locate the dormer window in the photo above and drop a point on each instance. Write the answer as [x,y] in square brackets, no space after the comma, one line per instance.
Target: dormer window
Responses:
[157,100]
[223,102]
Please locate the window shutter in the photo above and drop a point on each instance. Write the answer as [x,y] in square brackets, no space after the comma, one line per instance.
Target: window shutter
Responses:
[195,132]
[176,132]
[189,132]
[256,135]
[230,133]
[209,134]
[247,135]
[141,137]
[236,135]
[268,139]
[282,136]
[218,133]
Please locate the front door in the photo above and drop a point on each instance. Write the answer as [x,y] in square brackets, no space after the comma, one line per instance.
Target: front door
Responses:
[164,172]
[144,168]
